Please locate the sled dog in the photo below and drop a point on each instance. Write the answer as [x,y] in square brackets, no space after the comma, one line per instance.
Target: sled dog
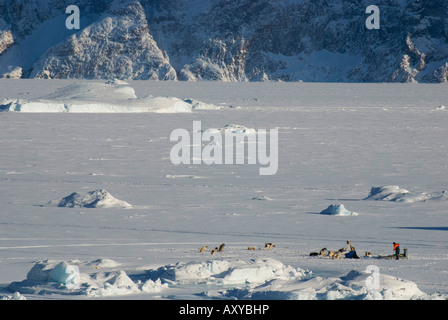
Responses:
[320,253]
[269,245]
[202,249]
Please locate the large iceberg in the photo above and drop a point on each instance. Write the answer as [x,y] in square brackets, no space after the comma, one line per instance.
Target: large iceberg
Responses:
[109,97]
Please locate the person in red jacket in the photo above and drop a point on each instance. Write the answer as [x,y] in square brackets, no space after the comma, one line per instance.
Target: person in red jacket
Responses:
[396,249]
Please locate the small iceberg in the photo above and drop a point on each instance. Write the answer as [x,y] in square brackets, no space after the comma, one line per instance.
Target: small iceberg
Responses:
[387,193]
[338,210]
[94,199]
[397,194]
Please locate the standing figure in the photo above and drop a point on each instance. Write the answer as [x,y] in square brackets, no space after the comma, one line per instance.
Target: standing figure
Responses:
[396,249]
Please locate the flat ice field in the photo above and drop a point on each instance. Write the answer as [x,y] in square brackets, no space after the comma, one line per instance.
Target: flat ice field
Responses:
[91,205]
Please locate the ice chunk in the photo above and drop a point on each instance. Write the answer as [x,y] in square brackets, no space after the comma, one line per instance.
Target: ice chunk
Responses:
[94,199]
[389,193]
[397,194]
[151,286]
[338,210]
[64,273]
[112,284]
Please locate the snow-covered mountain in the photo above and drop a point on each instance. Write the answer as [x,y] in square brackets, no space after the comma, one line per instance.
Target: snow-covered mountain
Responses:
[227,40]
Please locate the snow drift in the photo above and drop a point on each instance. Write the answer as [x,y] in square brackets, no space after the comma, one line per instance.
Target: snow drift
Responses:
[397,194]
[353,286]
[226,272]
[110,97]
[93,199]
[228,279]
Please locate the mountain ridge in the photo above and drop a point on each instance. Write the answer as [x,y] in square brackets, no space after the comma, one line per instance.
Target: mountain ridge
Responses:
[227,40]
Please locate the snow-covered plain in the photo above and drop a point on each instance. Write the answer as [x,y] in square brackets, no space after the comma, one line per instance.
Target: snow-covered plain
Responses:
[336,143]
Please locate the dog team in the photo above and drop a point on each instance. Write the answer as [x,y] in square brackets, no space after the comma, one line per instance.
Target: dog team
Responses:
[216,249]
[267,245]
[350,253]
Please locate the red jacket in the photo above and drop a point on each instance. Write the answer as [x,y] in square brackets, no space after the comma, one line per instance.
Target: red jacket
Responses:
[396,245]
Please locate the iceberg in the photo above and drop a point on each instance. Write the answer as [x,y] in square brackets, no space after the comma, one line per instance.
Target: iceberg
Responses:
[338,210]
[64,273]
[94,199]
[109,97]
[397,194]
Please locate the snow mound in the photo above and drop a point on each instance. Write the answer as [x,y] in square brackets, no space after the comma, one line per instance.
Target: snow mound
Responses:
[79,278]
[103,263]
[93,199]
[338,210]
[262,198]
[110,97]
[113,283]
[397,194]
[353,286]
[229,272]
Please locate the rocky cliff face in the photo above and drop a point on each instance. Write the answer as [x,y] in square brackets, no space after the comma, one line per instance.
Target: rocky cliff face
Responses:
[117,45]
[231,40]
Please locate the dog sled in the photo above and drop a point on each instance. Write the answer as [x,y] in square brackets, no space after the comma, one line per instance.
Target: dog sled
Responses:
[350,253]
[403,255]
